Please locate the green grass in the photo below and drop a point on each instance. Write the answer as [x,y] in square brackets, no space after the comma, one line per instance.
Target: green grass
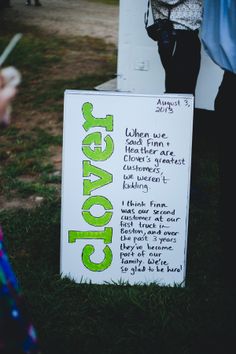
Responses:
[75,318]
[28,156]
[42,61]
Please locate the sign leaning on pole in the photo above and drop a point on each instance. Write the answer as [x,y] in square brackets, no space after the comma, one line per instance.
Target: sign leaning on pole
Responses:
[125,187]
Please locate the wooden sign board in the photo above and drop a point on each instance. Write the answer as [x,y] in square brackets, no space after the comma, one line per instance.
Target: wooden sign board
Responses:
[125,187]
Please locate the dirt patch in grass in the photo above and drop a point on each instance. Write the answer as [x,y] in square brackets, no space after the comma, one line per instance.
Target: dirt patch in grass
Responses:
[70,18]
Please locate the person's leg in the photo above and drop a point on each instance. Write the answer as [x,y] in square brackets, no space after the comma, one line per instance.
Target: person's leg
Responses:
[7,4]
[225,111]
[166,56]
[37,3]
[185,63]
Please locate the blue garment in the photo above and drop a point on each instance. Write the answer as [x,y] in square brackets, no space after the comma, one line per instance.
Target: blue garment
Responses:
[17,333]
[219,32]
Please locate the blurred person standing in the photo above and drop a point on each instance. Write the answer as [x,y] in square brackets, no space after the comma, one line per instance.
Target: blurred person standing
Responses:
[36,3]
[219,41]
[179,49]
[5,3]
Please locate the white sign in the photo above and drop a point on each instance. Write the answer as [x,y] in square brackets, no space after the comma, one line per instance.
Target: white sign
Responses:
[125,187]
